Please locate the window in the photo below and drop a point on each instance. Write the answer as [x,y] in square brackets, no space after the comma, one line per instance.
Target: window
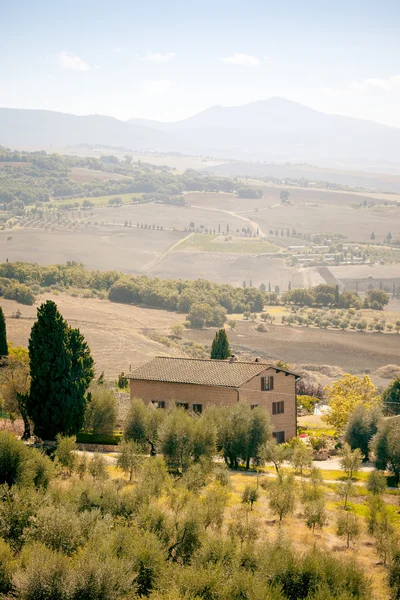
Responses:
[253,406]
[182,405]
[158,403]
[267,384]
[278,408]
[279,436]
[198,409]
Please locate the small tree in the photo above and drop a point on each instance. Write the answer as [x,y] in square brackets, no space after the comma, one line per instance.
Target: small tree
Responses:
[301,457]
[122,381]
[65,452]
[244,527]
[101,412]
[346,490]
[250,495]
[274,453]
[14,385]
[361,427]
[130,457]
[391,398]
[347,393]
[177,331]
[281,496]
[394,576]
[97,466]
[386,447]
[376,483]
[220,347]
[3,335]
[315,514]
[348,526]
[350,461]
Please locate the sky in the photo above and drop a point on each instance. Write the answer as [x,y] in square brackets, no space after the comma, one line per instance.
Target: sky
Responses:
[169,59]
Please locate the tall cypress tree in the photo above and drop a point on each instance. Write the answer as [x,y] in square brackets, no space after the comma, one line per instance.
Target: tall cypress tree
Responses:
[61,369]
[220,347]
[3,335]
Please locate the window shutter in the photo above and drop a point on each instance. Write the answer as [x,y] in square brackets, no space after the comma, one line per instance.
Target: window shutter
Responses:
[270,383]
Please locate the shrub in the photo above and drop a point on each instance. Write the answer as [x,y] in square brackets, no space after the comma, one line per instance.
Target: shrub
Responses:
[58,528]
[44,575]
[12,458]
[7,567]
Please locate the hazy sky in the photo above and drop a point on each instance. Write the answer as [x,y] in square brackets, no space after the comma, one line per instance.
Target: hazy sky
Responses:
[167,59]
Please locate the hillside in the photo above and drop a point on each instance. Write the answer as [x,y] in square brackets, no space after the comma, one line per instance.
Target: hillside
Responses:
[280,129]
[122,335]
[43,128]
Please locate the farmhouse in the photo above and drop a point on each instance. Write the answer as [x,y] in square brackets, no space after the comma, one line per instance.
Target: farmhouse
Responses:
[195,384]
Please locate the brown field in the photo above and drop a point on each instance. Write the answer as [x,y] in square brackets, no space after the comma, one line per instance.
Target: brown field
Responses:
[118,336]
[115,332]
[222,268]
[350,351]
[83,175]
[132,249]
[170,216]
[311,211]
[128,249]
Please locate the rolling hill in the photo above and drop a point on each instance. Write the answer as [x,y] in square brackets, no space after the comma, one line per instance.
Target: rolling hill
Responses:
[43,128]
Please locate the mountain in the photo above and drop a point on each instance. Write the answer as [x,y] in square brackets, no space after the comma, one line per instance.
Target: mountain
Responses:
[43,128]
[274,130]
[280,129]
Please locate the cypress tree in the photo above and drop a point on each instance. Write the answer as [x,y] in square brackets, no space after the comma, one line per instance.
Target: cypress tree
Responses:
[61,369]
[3,335]
[220,347]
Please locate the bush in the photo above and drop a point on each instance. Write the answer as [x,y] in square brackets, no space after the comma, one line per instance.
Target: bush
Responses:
[12,458]
[111,439]
[44,575]
[7,567]
[58,528]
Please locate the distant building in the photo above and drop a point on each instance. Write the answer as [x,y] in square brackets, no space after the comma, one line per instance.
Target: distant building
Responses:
[195,384]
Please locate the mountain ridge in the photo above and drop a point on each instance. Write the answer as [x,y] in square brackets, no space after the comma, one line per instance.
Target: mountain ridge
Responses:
[275,129]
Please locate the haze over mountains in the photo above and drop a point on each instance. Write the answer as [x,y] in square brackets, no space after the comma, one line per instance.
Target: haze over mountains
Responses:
[272,130]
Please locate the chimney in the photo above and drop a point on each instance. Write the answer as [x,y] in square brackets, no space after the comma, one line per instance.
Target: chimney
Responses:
[258,359]
[233,358]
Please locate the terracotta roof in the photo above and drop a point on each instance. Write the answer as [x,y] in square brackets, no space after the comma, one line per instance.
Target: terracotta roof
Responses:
[200,371]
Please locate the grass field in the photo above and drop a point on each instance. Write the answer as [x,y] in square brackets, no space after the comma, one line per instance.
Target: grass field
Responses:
[201,242]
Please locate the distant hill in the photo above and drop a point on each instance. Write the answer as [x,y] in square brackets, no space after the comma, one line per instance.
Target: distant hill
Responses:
[279,129]
[44,128]
[274,130]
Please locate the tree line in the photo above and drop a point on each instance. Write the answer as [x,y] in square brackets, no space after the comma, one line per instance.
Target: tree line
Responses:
[46,176]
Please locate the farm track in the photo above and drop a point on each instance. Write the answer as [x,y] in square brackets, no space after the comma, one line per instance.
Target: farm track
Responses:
[253,224]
